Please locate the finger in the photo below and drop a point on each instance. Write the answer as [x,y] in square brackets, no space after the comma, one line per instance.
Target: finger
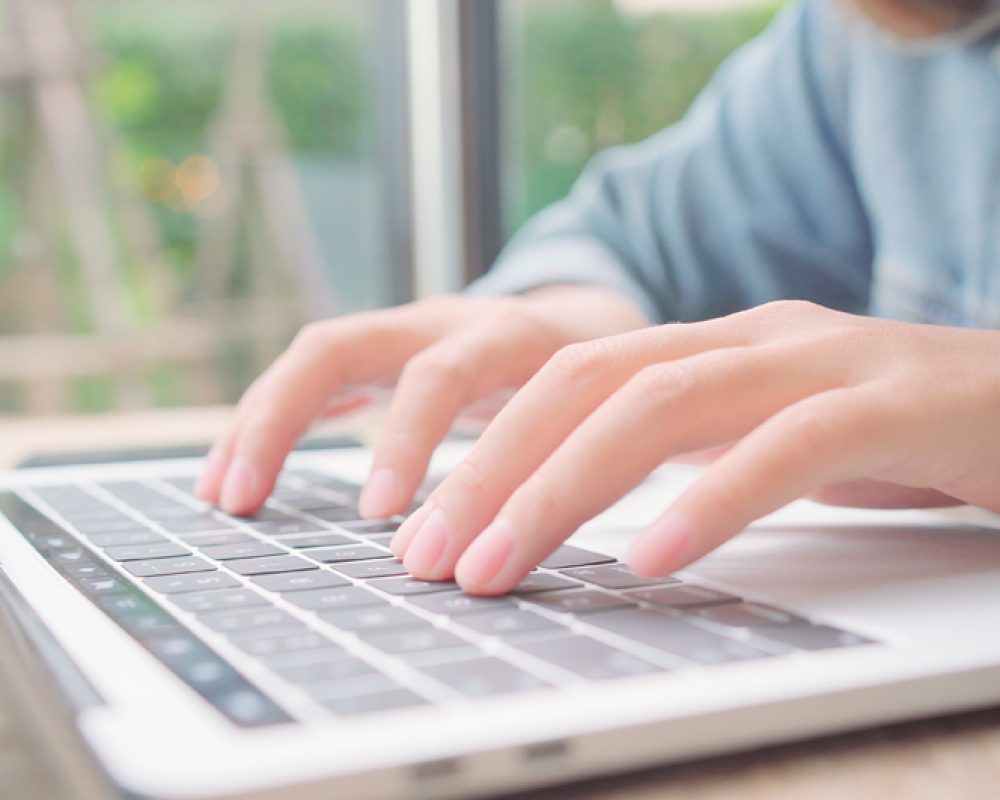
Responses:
[869,493]
[665,409]
[434,387]
[830,437]
[209,483]
[294,390]
[564,393]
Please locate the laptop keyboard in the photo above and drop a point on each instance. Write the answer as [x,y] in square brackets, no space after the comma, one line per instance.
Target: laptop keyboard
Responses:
[302,612]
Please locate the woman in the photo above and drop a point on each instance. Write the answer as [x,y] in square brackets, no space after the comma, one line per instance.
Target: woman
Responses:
[846,165]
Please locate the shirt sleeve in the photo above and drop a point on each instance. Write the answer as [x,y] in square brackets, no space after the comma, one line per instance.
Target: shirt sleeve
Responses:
[749,198]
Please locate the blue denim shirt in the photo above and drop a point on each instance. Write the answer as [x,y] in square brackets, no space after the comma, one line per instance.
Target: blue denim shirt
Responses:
[822,163]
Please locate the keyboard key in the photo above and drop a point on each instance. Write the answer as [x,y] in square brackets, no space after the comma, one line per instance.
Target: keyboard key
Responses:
[365,683]
[509,622]
[387,567]
[117,605]
[374,618]
[683,596]
[136,536]
[337,597]
[366,527]
[459,603]
[300,581]
[258,619]
[247,707]
[218,600]
[415,640]
[269,565]
[580,601]
[98,587]
[407,586]
[383,539]
[85,570]
[120,523]
[278,528]
[216,537]
[168,566]
[543,582]
[230,552]
[479,677]
[196,523]
[141,552]
[335,555]
[376,701]
[328,670]
[587,658]
[195,582]
[298,541]
[338,514]
[814,637]
[748,615]
[143,622]
[674,635]
[615,576]
[568,556]
[255,644]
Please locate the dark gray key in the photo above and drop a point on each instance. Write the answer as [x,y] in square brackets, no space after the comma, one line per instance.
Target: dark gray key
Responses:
[459,603]
[329,670]
[414,640]
[140,552]
[543,582]
[814,637]
[336,597]
[168,566]
[218,537]
[271,515]
[748,615]
[256,619]
[267,645]
[278,528]
[269,565]
[675,636]
[198,523]
[230,552]
[173,511]
[218,600]
[98,587]
[297,658]
[298,541]
[338,514]
[337,555]
[383,539]
[406,586]
[246,706]
[365,527]
[137,536]
[195,582]
[568,556]
[143,623]
[87,571]
[373,618]
[683,596]
[121,523]
[484,676]
[119,604]
[300,581]
[509,622]
[387,567]
[366,683]
[579,601]
[615,576]
[377,701]
[587,658]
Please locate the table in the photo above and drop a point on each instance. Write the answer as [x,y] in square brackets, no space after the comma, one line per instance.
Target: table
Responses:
[954,757]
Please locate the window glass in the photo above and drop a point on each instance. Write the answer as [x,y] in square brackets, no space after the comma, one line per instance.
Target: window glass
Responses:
[583,75]
[182,185]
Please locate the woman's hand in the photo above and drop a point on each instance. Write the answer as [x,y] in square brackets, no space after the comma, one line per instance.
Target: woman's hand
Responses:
[802,397]
[446,353]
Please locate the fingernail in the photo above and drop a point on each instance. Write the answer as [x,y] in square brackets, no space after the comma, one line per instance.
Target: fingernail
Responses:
[240,487]
[213,461]
[405,533]
[428,545]
[381,493]
[488,554]
[664,546]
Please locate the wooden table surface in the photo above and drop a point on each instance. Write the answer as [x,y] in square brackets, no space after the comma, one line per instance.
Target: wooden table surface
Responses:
[954,757]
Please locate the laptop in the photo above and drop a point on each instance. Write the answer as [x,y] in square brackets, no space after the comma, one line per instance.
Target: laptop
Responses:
[170,651]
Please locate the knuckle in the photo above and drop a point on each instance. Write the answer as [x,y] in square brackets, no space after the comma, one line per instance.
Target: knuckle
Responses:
[443,366]
[813,429]
[580,363]
[661,385]
[263,426]
[313,337]
[469,478]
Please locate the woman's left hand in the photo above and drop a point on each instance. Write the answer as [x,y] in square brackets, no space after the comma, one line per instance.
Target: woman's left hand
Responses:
[807,401]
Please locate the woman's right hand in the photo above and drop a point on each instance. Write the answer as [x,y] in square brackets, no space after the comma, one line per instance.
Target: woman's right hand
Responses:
[444,354]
